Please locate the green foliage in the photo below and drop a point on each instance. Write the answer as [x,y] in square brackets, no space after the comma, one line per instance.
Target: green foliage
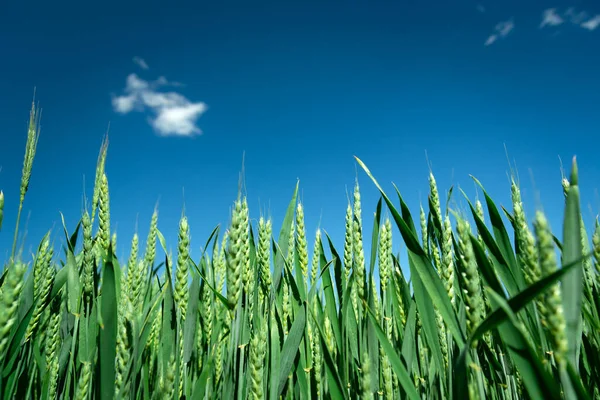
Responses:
[483,315]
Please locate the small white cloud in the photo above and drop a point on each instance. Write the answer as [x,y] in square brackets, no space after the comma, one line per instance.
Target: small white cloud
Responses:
[504,28]
[480,8]
[175,115]
[491,39]
[124,104]
[591,24]
[134,83]
[501,30]
[551,18]
[164,82]
[140,62]
[179,120]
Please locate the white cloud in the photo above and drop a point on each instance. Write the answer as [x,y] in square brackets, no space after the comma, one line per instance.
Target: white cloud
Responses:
[504,28]
[175,115]
[124,104]
[491,39]
[501,30]
[140,62]
[180,120]
[135,83]
[480,8]
[551,18]
[162,81]
[591,24]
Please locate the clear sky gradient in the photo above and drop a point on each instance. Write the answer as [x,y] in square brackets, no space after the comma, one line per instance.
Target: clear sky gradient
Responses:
[295,89]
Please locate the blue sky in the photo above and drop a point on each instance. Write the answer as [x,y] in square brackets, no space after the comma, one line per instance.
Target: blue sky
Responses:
[299,88]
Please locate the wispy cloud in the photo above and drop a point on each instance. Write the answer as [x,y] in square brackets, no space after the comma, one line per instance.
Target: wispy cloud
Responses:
[575,17]
[140,62]
[491,39]
[592,24]
[174,114]
[551,18]
[501,30]
[480,8]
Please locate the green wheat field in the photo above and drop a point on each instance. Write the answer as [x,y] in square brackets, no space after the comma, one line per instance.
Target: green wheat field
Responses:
[491,309]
